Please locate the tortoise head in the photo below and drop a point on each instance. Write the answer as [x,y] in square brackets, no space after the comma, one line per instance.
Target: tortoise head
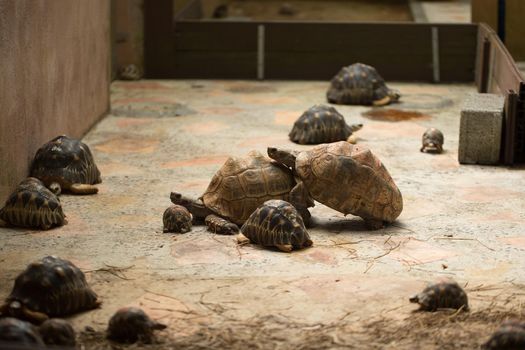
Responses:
[55,188]
[394,95]
[177,198]
[284,156]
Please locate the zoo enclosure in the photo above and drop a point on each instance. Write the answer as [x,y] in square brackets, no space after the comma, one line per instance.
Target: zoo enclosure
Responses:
[183,45]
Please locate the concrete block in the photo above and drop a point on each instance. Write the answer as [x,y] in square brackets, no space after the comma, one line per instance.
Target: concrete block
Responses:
[480,129]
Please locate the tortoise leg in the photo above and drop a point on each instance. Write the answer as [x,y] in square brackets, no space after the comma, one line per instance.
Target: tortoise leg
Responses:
[287,248]
[384,101]
[352,139]
[83,189]
[373,224]
[301,200]
[242,239]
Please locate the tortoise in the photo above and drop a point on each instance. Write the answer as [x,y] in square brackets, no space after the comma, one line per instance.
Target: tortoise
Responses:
[441,295]
[33,205]
[130,324]
[347,178]
[360,84]
[13,330]
[50,287]
[221,226]
[276,223]
[130,72]
[177,219]
[509,336]
[432,141]
[240,186]
[321,124]
[66,164]
[56,331]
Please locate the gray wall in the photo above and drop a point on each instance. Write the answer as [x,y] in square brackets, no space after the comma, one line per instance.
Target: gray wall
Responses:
[54,76]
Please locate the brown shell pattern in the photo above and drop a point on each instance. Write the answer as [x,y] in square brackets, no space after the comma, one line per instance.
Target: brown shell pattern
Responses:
[432,141]
[56,331]
[276,222]
[53,286]
[320,124]
[177,219]
[441,295]
[33,205]
[357,84]
[13,330]
[130,324]
[351,180]
[66,161]
[242,184]
[510,335]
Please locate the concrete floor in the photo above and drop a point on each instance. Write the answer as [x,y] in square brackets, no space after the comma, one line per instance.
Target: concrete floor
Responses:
[461,222]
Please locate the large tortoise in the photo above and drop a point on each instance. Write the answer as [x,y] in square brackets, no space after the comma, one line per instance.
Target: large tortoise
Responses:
[347,178]
[360,84]
[66,164]
[240,186]
[321,124]
[33,205]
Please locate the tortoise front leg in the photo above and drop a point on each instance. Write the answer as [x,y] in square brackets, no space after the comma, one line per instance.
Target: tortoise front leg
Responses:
[301,200]
[83,189]
[287,248]
[242,239]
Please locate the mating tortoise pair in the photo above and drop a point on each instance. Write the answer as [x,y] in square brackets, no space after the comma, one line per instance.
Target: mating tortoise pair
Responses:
[343,176]
[61,164]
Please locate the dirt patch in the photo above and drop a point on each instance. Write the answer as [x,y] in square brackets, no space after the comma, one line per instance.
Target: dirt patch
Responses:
[393,115]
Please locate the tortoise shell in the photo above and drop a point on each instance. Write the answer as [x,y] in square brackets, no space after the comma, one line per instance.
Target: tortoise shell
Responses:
[360,84]
[351,180]
[441,295]
[321,124]
[177,219]
[56,331]
[509,336]
[277,223]
[220,226]
[130,324]
[65,161]
[242,184]
[13,330]
[33,205]
[432,141]
[51,287]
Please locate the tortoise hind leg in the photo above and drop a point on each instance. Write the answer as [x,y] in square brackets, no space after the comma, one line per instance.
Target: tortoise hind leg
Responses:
[287,248]
[83,189]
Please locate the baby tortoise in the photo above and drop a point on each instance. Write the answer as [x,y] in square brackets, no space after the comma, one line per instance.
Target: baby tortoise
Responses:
[347,178]
[276,223]
[130,72]
[51,287]
[17,331]
[33,205]
[441,295]
[130,324]
[239,187]
[432,141]
[66,164]
[177,219]
[321,124]
[360,84]
[218,225]
[56,331]
[510,336]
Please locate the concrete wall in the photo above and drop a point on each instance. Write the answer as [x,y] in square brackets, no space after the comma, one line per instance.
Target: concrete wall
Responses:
[54,76]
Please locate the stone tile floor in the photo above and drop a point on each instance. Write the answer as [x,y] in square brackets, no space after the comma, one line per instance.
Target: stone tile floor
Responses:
[461,222]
